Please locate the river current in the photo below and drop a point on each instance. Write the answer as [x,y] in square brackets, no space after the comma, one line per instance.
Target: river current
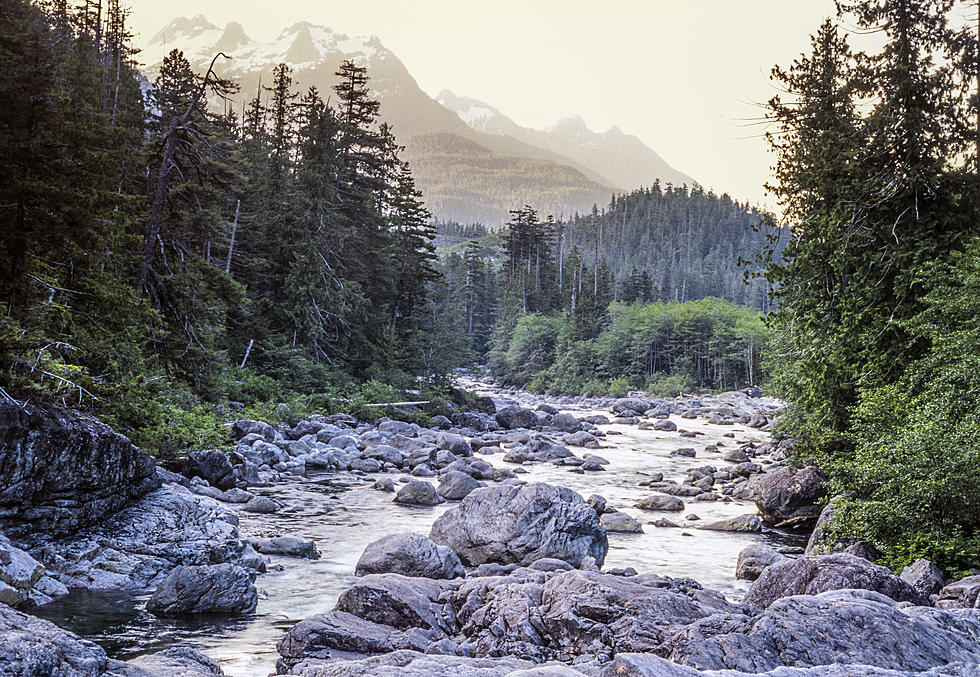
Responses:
[343,513]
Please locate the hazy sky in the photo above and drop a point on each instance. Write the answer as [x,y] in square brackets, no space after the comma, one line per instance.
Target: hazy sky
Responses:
[684,75]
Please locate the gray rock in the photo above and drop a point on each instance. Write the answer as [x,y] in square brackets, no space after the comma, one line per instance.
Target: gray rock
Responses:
[646,665]
[735,456]
[539,451]
[620,522]
[630,406]
[925,577]
[218,588]
[236,495]
[849,631]
[516,417]
[289,546]
[413,664]
[212,465]
[510,524]
[261,505]
[961,594]
[566,423]
[455,485]
[753,560]
[582,438]
[665,425]
[384,484]
[179,661]
[821,573]
[660,502]
[418,492]
[32,647]
[409,555]
[790,494]
[742,523]
[63,470]
[137,547]
[817,542]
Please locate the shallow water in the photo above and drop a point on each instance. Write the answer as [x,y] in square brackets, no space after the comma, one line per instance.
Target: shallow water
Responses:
[343,514]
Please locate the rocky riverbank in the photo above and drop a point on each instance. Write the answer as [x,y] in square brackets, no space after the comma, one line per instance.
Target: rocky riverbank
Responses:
[491,562]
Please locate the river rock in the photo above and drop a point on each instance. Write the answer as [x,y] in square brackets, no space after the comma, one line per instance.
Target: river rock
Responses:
[566,423]
[418,492]
[243,427]
[288,546]
[961,594]
[138,546]
[516,417]
[212,465]
[409,555]
[261,505]
[753,560]
[790,494]
[582,438]
[519,524]
[218,588]
[538,451]
[413,664]
[620,522]
[178,661]
[665,425]
[660,502]
[741,523]
[815,574]
[63,470]
[455,485]
[848,631]
[924,576]
[630,406]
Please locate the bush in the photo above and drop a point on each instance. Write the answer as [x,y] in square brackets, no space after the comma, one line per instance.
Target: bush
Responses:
[669,386]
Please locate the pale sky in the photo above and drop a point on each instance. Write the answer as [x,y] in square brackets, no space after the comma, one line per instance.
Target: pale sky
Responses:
[684,75]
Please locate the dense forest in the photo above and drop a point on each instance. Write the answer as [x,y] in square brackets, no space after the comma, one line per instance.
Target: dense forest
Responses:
[875,323]
[160,255]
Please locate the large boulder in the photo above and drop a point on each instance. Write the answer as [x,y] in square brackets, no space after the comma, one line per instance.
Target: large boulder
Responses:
[217,588]
[178,661]
[924,576]
[517,417]
[409,555]
[812,575]
[537,451]
[212,465]
[62,470]
[849,633]
[287,546]
[566,423]
[790,495]
[418,492]
[455,485]
[961,594]
[520,524]
[631,406]
[138,546]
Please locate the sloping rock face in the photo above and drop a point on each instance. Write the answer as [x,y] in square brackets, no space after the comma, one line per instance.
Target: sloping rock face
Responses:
[135,548]
[816,574]
[61,471]
[409,555]
[216,588]
[518,525]
[841,627]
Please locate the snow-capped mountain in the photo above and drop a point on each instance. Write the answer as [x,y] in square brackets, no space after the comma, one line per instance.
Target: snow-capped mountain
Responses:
[622,160]
[471,162]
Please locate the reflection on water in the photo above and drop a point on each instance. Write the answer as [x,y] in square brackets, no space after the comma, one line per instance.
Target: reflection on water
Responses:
[343,514]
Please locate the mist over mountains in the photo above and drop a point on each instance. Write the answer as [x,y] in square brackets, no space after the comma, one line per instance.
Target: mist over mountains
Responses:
[472,163]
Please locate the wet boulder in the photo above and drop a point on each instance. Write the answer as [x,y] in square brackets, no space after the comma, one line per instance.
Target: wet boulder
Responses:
[217,588]
[520,524]
[566,423]
[741,523]
[261,505]
[409,555]
[789,494]
[754,559]
[516,417]
[288,546]
[660,502]
[418,492]
[620,522]
[455,485]
[813,575]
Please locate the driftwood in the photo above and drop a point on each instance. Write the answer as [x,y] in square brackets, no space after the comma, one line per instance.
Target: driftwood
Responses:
[398,404]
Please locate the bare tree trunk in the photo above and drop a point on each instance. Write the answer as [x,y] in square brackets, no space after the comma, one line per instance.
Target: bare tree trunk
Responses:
[231,243]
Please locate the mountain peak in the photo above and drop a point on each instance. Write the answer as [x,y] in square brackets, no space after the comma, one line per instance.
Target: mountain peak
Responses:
[183,28]
[302,49]
[233,38]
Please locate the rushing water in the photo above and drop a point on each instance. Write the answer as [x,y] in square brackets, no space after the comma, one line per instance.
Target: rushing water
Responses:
[343,513]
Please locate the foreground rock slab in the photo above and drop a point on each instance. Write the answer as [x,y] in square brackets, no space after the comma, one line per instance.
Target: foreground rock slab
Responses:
[518,525]
[815,574]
